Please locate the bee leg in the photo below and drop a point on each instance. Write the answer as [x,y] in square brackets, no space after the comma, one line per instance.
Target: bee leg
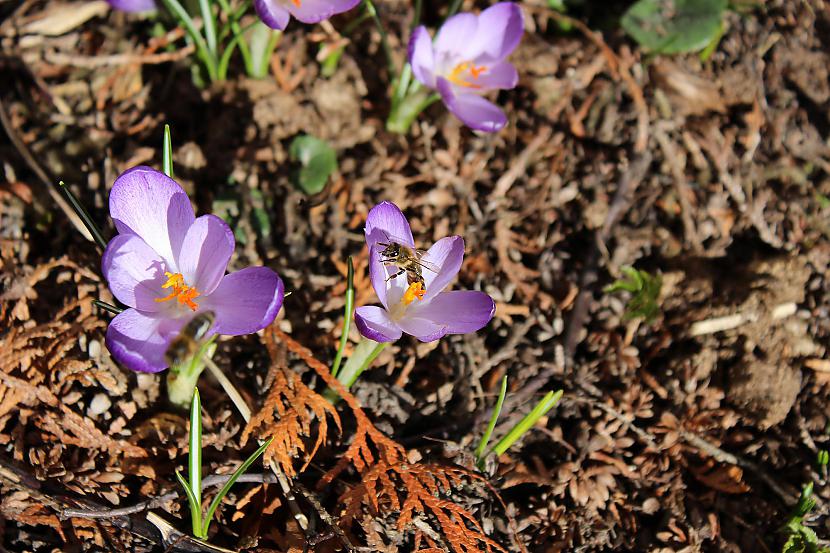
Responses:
[399,273]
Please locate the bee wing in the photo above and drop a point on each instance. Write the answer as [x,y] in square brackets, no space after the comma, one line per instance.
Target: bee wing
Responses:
[428,266]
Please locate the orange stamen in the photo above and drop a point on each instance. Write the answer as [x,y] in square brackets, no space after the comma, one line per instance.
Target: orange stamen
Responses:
[415,290]
[297,3]
[457,74]
[181,292]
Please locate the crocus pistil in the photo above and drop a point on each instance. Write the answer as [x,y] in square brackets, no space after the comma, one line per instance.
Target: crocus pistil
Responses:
[457,75]
[180,291]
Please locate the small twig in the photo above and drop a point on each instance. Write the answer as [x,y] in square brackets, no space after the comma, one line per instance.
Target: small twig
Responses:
[722,456]
[728,322]
[208,482]
[58,58]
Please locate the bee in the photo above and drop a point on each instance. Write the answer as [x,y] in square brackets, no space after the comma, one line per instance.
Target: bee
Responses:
[407,260]
[190,338]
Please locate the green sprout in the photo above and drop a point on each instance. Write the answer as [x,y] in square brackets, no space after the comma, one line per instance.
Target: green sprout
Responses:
[193,485]
[528,421]
[801,538]
[645,291]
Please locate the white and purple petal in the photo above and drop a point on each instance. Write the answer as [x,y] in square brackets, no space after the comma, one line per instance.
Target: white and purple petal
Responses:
[153,206]
[453,41]
[314,11]
[473,110]
[133,5]
[499,75]
[373,322]
[272,13]
[245,301]
[205,252]
[458,311]
[446,255]
[425,330]
[421,56]
[134,272]
[138,340]
[499,31]
[386,222]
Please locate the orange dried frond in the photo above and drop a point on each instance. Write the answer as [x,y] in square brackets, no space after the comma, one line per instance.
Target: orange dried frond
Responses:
[289,413]
[390,484]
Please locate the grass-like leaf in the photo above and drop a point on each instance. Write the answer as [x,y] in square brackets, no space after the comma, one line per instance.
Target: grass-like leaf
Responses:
[485,438]
[227,487]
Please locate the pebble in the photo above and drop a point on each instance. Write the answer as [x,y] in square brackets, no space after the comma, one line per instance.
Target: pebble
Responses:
[100,404]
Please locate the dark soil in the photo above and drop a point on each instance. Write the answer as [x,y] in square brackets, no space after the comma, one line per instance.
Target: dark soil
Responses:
[695,432]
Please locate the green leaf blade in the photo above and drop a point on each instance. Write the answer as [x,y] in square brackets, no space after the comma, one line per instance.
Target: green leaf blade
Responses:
[318,161]
[674,26]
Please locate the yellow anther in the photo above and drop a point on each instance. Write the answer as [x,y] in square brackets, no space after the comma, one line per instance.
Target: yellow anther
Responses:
[457,74]
[415,290]
[181,292]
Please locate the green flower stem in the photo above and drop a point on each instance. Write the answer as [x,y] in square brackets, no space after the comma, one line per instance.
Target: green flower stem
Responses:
[347,317]
[405,112]
[485,438]
[182,380]
[262,40]
[237,40]
[454,7]
[545,405]
[384,39]
[209,24]
[417,18]
[202,50]
[364,354]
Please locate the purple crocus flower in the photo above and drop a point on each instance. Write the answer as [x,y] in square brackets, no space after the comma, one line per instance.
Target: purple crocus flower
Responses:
[277,13]
[167,265]
[133,5]
[467,59]
[424,311]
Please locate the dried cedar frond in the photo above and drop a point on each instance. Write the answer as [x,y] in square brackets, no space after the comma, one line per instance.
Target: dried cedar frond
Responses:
[390,482]
[288,413]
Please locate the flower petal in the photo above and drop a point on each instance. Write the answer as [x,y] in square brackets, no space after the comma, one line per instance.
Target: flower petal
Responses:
[421,56]
[499,31]
[474,111]
[138,340]
[206,250]
[272,13]
[133,5]
[314,11]
[150,204]
[245,301]
[424,330]
[459,311]
[387,222]
[446,255]
[500,75]
[374,323]
[454,37]
[134,272]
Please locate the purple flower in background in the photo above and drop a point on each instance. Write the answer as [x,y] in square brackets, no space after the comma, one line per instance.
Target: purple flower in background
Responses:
[167,265]
[133,5]
[277,13]
[422,309]
[467,59]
